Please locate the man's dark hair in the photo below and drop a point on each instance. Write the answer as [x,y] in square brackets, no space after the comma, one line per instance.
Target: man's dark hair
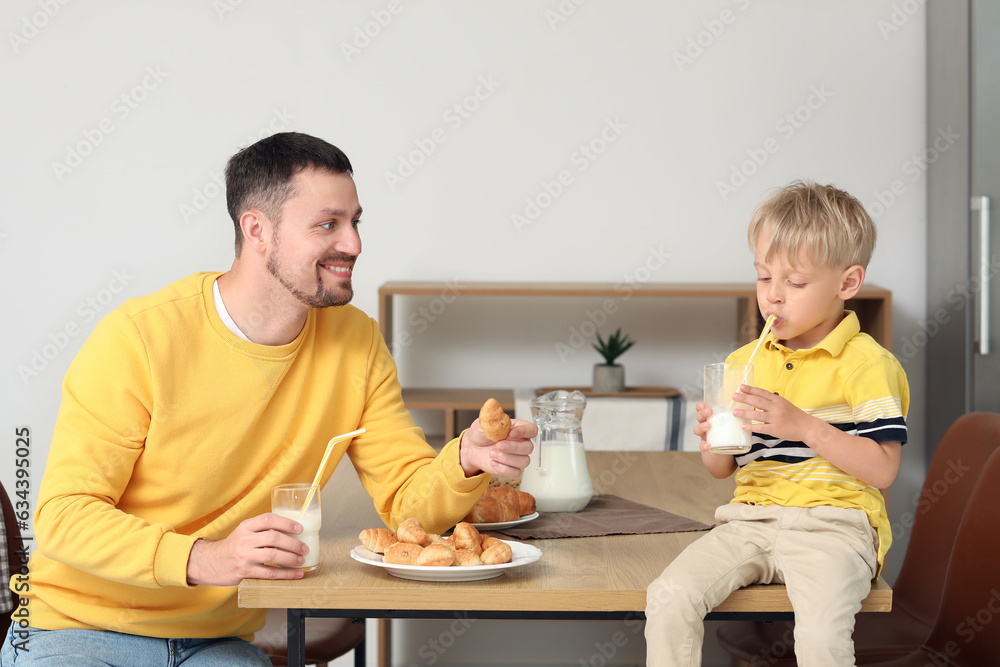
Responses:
[260,175]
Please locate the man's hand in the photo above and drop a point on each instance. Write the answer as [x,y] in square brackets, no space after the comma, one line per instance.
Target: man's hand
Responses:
[257,549]
[506,458]
[774,415]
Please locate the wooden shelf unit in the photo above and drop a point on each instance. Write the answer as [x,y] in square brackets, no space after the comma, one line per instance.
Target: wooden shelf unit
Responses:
[873,304]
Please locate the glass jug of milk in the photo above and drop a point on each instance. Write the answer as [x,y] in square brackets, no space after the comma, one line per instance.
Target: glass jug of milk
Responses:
[557,475]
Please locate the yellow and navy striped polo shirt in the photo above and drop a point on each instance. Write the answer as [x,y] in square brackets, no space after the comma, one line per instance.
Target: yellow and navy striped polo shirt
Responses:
[851,382]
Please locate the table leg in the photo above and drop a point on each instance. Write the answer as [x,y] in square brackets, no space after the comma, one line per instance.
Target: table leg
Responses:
[296,639]
[385,642]
[450,427]
[674,410]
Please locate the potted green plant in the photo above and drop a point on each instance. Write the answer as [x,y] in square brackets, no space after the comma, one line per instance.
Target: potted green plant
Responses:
[609,377]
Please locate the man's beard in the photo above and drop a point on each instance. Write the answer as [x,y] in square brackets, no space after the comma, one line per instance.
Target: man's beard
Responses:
[322,297]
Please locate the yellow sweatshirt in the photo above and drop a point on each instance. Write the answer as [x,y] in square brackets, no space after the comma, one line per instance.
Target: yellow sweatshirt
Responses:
[173,428]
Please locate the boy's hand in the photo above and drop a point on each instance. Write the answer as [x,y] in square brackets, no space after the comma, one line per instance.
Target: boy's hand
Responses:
[702,414]
[775,415]
[718,465]
[874,463]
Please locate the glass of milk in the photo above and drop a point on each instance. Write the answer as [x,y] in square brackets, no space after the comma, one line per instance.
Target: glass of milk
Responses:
[725,433]
[288,500]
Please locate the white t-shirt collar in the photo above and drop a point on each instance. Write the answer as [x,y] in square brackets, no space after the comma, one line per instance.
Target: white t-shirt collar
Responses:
[227,319]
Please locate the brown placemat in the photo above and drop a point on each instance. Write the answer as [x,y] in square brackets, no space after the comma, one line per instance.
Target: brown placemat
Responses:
[605,515]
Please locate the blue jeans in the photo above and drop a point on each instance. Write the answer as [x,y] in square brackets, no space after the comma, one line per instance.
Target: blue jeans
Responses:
[98,648]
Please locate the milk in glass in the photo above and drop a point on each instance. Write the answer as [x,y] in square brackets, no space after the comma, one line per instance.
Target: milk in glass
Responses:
[289,501]
[311,522]
[726,435]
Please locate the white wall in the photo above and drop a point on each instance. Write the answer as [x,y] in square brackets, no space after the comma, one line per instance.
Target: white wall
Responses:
[119,118]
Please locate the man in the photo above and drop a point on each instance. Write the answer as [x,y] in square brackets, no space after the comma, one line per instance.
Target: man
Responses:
[185,407]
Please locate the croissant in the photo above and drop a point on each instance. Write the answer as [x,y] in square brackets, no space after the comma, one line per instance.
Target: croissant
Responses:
[489,541]
[508,512]
[496,552]
[436,555]
[494,421]
[466,558]
[467,537]
[491,510]
[434,538]
[411,531]
[466,547]
[525,503]
[505,494]
[402,553]
[377,539]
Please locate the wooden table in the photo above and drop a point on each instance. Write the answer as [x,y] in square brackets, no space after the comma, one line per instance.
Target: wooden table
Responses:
[576,578]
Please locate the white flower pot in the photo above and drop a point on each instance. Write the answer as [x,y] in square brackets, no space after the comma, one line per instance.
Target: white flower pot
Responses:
[609,379]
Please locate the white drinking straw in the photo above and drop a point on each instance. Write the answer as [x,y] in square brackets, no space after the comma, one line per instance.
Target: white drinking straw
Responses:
[326,455]
[753,355]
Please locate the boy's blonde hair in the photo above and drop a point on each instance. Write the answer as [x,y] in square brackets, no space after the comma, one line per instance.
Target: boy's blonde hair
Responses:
[831,225]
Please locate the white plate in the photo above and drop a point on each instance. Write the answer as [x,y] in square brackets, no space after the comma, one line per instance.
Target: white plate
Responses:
[522,555]
[506,524]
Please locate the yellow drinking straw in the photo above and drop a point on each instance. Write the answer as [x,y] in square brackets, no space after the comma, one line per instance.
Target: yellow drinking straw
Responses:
[326,456]
[753,355]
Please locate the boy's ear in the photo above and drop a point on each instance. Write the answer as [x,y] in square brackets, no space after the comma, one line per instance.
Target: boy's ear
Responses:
[850,281]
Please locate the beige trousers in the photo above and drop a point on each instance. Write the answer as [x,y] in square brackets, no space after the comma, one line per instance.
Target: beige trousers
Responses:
[825,556]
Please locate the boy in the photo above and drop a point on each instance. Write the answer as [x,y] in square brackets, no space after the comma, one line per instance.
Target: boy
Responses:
[829,420]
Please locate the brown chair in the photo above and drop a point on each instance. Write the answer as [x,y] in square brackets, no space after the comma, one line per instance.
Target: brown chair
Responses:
[13,554]
[966,632]
[918,589]
[326,639]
